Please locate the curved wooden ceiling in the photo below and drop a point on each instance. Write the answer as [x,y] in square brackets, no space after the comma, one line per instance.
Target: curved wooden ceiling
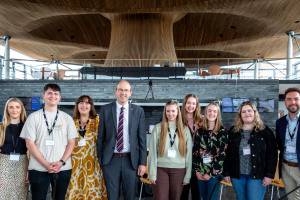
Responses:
[71,29]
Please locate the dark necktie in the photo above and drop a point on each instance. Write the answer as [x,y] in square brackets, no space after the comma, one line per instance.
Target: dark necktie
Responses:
[120,143]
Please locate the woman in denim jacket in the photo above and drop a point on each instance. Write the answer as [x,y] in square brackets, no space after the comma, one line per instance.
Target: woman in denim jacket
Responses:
[251,159]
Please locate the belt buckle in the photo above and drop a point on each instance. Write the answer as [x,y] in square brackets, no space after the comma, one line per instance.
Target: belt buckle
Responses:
[121,155]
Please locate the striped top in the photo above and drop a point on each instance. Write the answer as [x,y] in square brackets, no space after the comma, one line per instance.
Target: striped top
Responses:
[245,160]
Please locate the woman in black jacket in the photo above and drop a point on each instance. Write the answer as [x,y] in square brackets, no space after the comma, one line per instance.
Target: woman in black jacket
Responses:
[251,159]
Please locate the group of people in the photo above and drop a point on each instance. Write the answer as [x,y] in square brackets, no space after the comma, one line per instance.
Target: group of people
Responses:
[90,156]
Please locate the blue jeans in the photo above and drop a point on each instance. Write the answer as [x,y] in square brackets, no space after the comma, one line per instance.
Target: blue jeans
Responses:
[247,188]
[206,188]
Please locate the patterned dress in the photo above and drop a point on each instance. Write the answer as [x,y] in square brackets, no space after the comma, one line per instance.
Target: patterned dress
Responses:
[214,145]
[87,181]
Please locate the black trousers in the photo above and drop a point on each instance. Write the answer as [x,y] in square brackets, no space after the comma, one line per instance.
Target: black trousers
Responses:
[194,189]
[40,181]
[116,171]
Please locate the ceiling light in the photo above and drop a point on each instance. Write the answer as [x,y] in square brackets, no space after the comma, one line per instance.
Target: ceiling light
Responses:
[59,30]
[233,27]
[297,22]
[218,54]
[72,37]
[93,55]
[221,35]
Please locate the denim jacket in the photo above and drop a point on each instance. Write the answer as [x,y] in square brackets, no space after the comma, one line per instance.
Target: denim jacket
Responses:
[263,154]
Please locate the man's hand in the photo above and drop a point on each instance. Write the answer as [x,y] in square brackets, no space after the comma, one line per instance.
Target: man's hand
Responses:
[185,183]
[141,170]
[49,167]
[56,166]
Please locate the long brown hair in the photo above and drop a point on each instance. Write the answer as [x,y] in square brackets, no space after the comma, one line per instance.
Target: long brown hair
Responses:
[6,118]
[164,131]
[259,125]
[76,113]
[197,116]
[218,122]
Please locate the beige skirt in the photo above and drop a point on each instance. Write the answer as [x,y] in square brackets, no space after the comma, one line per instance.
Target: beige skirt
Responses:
[12,176]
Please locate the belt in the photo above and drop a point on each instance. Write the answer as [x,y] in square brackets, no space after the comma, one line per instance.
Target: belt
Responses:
[121,155]
[291,164]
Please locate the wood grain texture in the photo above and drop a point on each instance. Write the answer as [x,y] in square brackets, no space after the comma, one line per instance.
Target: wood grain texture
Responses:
[150,29]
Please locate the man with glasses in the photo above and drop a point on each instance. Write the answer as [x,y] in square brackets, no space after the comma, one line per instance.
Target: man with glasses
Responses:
[121,144]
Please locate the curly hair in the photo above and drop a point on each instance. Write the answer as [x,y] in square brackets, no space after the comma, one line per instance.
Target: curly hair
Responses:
[259,125]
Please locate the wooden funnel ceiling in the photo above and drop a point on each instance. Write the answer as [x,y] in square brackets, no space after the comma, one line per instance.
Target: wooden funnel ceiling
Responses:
[133,29]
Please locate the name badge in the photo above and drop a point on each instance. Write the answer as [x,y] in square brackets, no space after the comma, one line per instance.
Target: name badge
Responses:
[171,153]
[14,156]
[49,142]
[291,149]
[246,150]
[82,142]
[206,159]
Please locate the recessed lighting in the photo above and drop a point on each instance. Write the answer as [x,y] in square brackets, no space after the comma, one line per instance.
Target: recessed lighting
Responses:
[72,37]
[297,22]
[221,35]
[218,54]
[93,55]
[233,27]
[51,55]
[258,54]
[59,30]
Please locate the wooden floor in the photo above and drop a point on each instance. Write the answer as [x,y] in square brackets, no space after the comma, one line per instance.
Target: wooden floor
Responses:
[227,194]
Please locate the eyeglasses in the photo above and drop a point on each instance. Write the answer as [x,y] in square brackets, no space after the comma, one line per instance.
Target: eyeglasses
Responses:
[121,91]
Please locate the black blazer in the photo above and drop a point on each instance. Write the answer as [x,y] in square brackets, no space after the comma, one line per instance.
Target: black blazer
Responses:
[107,134]
[280,137]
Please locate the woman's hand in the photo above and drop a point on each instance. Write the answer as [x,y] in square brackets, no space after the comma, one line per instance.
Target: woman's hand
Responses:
[153,182]
[206,177]
[184,183]
[227,179]
[199,176]
[27,179]
[267,181]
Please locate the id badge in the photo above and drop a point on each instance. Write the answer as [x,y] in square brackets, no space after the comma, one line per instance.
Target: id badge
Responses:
[49,142]
[14,156]
[171,153]
[206,159]
[82,142]
[246,150]
[291,149]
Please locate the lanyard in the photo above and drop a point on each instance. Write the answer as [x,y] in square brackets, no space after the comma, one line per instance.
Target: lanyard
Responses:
[13,138]
[294,129]
[172,140]
[82,131]
[192,133]
[50,130]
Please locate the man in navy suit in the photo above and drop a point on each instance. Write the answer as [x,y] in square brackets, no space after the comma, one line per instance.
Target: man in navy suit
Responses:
[121,144]
[288,140]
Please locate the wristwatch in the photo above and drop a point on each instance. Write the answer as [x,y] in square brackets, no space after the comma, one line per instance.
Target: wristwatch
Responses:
[63,162]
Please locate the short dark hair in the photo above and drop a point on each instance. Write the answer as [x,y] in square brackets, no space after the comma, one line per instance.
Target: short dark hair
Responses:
[291,90]
[76,113]
[52,86]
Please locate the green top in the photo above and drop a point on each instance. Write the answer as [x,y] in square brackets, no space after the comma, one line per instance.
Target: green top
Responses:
[167,162]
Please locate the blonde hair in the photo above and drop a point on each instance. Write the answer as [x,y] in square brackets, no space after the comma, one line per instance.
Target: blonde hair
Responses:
[164,131]
[239,121]
[218,122]
[197,116]
[6,118]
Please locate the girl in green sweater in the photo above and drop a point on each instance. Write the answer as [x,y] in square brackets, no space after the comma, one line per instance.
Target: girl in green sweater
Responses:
[170,155]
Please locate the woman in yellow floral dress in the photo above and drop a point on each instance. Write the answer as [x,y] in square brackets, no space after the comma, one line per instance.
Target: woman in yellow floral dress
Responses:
[87,181]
